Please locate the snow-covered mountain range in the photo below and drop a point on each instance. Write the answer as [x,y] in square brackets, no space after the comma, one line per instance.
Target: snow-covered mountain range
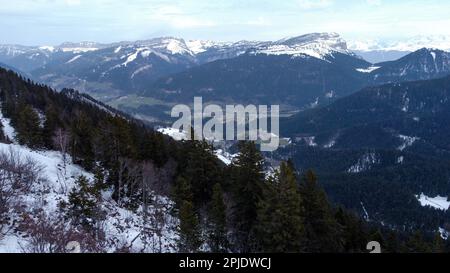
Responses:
[412,44]
[315,45]
[112,72]
[378,51]
[109,70]
[318,45]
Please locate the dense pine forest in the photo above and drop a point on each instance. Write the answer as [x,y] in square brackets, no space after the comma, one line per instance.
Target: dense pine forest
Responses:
[236,208]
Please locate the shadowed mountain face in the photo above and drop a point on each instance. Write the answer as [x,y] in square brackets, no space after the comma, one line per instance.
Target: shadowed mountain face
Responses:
[301,82]
[380,147]
[401,108]
[423,64]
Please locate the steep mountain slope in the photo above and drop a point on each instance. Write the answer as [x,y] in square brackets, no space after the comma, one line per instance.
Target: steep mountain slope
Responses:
[411,106]
[292,77]
[390,139]
[423,64]
[24,58]
[297,75]
[64,151]
[123,67]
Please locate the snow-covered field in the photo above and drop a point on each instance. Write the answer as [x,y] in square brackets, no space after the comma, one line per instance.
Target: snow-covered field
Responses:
[122,227]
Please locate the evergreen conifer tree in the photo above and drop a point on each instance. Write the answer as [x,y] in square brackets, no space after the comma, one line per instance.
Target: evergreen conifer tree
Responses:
[280,218]
[248,182]
[28,128]
[217,237]
[321,229]
[189,230]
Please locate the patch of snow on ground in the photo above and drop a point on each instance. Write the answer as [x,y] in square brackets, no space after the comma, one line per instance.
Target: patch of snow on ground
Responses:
[364,163]
[225,157]
[368,70]
[433,54]
[176,134]
[366,214]
[310,141]
[407,142]
[73,59]
[439,203]
[132,57]
[444,233]
[330,95]
[8,130]
[140,70]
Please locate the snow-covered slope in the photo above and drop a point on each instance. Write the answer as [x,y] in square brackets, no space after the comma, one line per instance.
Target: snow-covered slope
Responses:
[122,228]
[317,45]
[439,203]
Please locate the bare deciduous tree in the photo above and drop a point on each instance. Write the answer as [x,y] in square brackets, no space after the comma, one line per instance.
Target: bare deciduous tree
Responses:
[17,175]
[48,235]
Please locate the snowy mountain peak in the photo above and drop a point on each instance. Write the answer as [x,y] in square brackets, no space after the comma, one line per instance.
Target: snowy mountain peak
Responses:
[200,46]
[317,45]
[332,40]
[171,45]
[441,42]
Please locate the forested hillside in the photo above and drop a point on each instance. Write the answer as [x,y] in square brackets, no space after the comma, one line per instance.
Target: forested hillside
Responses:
[383,147]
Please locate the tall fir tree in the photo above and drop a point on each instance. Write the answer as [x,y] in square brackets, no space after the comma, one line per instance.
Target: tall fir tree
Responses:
[28,127]
[181,191]
[217,231]
[83,206]
[354,236]
[202,169]
[321,229]
[416,244]
[438,245]
[190,237]
[248,182]
[280,218]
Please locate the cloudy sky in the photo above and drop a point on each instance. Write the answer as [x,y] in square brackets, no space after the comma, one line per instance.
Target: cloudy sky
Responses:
[39,22]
